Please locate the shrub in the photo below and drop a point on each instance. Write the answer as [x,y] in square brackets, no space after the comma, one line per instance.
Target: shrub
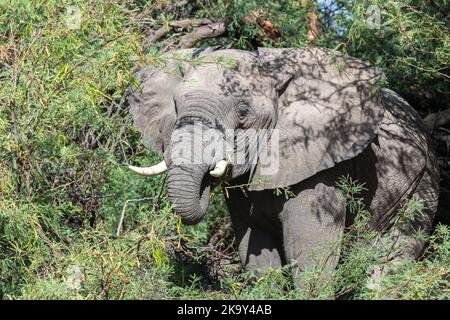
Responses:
[66,138]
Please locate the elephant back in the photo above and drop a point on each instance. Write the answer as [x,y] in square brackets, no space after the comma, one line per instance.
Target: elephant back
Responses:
[396,160]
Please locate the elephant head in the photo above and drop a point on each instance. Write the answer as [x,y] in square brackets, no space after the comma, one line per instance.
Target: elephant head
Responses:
[276,115]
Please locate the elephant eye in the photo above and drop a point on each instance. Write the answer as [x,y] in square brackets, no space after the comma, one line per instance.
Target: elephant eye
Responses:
[242,110]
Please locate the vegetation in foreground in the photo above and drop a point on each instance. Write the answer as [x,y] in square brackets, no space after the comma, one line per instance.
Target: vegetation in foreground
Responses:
[75,224]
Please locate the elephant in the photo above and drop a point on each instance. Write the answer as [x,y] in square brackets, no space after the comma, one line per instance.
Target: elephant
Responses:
[293,119]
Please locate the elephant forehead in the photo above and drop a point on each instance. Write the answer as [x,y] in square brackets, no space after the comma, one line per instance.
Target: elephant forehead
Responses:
[190,97]
[224,82]
[200,80]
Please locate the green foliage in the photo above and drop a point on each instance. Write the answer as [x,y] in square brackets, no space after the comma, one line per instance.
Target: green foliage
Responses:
[366,270]
[287,15]
[411,44]
[66,138]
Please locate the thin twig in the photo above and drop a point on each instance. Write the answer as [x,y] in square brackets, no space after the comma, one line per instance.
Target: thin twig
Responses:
[157,203]
[122,215]
[219,234]
[438,8]
[10,103]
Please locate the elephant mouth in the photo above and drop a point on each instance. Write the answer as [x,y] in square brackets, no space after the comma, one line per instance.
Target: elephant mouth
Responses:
[206,187]
[189,190]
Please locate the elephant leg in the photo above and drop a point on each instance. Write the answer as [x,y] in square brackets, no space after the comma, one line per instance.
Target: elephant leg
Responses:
[258,250]
[313,225]
[401,241]
[258,236]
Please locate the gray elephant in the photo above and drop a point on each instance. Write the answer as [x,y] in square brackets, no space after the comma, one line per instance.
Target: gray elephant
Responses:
[322,115]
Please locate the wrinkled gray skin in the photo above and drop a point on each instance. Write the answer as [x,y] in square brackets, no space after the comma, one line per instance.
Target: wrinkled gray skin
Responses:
[331,124]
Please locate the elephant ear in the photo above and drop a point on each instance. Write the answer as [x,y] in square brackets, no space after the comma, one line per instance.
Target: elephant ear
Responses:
[151,99]
[328,112]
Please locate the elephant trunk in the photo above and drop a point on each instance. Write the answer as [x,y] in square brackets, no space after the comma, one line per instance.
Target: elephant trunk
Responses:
[191,171]
[189,190]
[197,157]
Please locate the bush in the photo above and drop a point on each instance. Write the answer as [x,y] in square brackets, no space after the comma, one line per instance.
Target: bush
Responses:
[66,138]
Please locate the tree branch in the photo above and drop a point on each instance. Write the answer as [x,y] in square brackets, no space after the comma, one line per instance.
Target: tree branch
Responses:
[438,8]
[215,25]
[204,32]
[314,28]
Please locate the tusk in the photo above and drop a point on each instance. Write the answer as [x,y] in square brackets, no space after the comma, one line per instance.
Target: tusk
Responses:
[150,171]
[220,169]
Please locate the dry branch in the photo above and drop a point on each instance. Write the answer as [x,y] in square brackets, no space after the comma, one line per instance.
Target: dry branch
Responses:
[10,103]
[191,22]
[438,8]
[122,214]
[267,27]
[207,28]
[219,234]
[314,28]
[156,35]
[204,32]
